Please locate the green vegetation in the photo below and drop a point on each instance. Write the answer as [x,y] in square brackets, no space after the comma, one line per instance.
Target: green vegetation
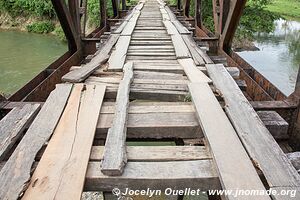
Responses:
[37,8]
[289,9]
[42,17]
[41,27]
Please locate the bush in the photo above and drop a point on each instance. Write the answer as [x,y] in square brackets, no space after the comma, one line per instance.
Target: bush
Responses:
[41,27]
[38,8]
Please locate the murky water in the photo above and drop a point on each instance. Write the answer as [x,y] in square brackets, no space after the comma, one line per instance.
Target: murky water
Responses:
[279,56]
[23,55]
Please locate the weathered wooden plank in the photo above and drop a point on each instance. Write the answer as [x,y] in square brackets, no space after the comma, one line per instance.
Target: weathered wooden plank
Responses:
[128,29]
[115,157]
[155,125]
[171,29]
[102,55]
[277,126]
[210,113]
[69,148]
[196,56]
[259,143]
[157,153]
[13,125]
[190,42]
[16,172]
[181,49]
[118,56]
[198,174]
[181,29]
[192,72]
[170,13]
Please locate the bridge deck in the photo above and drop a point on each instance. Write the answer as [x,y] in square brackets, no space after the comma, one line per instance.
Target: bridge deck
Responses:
[148,82]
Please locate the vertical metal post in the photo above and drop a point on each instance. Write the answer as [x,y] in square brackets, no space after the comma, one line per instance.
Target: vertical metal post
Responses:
[234,15]
[187,8]
[103,14]
[198,13]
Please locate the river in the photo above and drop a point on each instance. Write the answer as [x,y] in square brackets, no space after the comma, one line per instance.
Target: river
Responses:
[23,55]
[279,56]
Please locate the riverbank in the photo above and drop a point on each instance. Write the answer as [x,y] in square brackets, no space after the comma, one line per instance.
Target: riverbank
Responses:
[288,9]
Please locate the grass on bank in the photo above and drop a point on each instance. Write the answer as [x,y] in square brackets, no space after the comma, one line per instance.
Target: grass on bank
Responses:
[289,9]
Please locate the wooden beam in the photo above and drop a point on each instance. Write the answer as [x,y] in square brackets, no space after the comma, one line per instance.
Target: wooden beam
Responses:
[234,15]
[154,125]
[210,113]
[102,55]
[69,148]
[157,153]
[259,143]
[115,157]
[13,125]
[117,59]
[192,72]
[199,174]
[67,24]
[16,172]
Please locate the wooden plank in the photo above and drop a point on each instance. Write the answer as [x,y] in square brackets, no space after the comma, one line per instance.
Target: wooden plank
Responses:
[181,29]
[157,153]
[181,49]
[118,56]
[259,143]
[198,174]
[115,157]
[69,148]
[277,126]
[13,125]
[128,29]
[171,29]
[210,113]
[285,193]
[192,72]
[102,55]
[16,172]
[189,40]
[171,14]
[196,56]
[155,125]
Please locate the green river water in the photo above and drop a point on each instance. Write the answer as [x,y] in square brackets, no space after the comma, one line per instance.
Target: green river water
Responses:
[24,55]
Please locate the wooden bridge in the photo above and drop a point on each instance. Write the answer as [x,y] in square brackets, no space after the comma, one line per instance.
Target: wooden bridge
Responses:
[84,124]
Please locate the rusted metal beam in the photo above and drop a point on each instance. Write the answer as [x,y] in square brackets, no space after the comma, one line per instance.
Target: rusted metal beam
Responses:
[124,5]
[198,13]
[187,8]
[179,4]
[234,15]
[67,24]
[115,7]
[75,15]
[103,14]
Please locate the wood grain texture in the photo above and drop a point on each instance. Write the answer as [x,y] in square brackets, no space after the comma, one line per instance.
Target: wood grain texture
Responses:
[16,172]
[243,176]
[115,157]
[259,143]
[69,148]
[181,49]
[199,174]
[101,57]
[192,72]
[13,125]
[196,56]
[117,59]
[157,153]
[192,44]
